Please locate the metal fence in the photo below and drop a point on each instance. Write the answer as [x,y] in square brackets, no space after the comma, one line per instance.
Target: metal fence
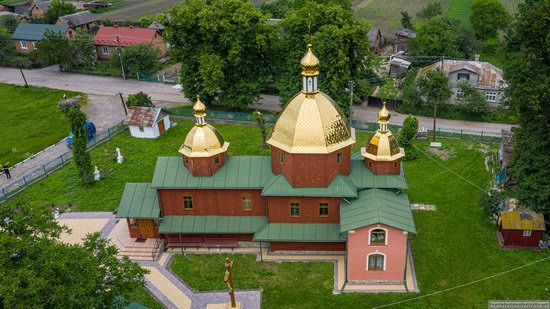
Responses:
[480,136]
[42,171]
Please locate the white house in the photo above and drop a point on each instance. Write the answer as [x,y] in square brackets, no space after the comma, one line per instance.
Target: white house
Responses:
[147,122]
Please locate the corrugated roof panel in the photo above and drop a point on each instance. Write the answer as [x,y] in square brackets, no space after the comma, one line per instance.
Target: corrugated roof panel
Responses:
[139,200]
[315,232]
[212,224]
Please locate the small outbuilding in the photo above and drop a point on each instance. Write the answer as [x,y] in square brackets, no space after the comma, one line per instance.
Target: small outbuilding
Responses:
[520,228]
[147,122]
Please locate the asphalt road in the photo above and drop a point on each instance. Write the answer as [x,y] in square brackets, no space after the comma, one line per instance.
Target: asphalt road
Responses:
[164,95]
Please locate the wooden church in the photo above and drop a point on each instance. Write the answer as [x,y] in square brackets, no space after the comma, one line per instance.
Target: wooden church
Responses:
[310,195]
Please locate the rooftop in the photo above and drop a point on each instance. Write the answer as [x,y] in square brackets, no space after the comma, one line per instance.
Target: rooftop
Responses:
[489,75]
[523,219]
[311,232]
[36,32]
[143,116]
[139,200]
[212,224]
[79,18]
[127,36]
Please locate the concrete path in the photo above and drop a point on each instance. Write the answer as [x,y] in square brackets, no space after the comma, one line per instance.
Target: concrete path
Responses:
[110,86]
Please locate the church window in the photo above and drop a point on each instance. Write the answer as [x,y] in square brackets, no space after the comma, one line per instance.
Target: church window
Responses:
[247,203]
[376,262]
[216,160]
[281,157]
[323,209]
[378,237]
[339,158]
[188,202]
[294,209]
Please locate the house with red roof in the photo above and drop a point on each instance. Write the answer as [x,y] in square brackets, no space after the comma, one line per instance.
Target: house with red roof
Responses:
[107,39]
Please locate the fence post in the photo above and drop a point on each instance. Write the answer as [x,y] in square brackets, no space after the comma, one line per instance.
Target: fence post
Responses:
[109,131]
[25,180]
[461,133]
[62,161]
[44,168]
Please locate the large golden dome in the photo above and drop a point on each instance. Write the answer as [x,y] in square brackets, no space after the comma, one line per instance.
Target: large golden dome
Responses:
[311,123]
[203,140]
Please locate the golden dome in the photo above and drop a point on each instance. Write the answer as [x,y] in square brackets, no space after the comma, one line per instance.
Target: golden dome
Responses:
[311,123]
[383,147]
[309,63]
[384,114]
[199,108]
[203,141]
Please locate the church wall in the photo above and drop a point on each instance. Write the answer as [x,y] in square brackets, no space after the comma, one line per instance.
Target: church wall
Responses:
[308,246]
[205,238]
[359,249]
[279,210]
[213,202]
[384,167]
[204,166]
[311,170]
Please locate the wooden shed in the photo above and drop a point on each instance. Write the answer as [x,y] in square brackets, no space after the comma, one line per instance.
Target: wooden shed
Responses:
[147,122]
[521,228]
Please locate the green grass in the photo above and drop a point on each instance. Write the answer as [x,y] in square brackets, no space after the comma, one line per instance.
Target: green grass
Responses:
[460,10]
[143,297]
[455,244]
[29,121]
[140,156]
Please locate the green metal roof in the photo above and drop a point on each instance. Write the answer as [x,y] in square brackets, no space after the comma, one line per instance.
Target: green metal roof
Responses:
[310,232]
[377,206]
[212,224]
[365,178]
[139,200]
[237,172]
[341,186]
[36,32]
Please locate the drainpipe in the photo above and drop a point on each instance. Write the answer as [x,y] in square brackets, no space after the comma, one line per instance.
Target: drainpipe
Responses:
[406,265]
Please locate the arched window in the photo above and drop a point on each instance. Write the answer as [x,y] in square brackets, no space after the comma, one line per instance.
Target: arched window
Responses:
[247,203]
[376,262]
[378,237]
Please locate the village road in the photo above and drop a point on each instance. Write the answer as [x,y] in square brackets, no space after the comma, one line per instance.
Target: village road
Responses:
[164,95]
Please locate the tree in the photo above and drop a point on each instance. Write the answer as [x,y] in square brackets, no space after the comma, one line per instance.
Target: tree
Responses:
[9,22]
[58,8]
[7,49]
[407,135]
[473,101]
[340,42]
[38,269]
[434,88]
[77,122]
[468,44]
[136,59]
[488,17]
[406,20]
[435,37]
[430,11]
[223,47]
[55,48]
[527,72]
[139,99]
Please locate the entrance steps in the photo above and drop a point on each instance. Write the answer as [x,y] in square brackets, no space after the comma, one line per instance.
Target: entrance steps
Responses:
[149,250]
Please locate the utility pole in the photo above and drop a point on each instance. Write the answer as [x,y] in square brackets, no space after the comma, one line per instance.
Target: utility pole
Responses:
[123,103]
[351,84]
[120,56]
[437,101]
[22,74]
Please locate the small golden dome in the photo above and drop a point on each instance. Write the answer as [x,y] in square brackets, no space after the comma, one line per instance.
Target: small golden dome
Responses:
[384,114]
[199,108]
[383,147]
[203,141]
[311,124]
[309,63]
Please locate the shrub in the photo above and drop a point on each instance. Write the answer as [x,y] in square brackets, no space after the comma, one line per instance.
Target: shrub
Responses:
[139,99]
[490,202]
[406,135]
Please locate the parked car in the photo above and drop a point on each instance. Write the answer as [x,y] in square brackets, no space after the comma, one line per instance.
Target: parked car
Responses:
[90,133]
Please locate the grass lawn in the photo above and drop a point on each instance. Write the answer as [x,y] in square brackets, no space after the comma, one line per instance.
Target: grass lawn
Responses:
[29,121]
[143,297]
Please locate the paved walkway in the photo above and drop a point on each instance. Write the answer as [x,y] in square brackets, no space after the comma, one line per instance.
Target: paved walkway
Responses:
[110,86]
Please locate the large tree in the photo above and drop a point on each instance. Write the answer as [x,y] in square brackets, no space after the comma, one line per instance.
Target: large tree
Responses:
[55,48]
[488,17]
[223,47]
[40,271]
[58,8]
[527,72]
[431,10]
[140,58]
[434,88]
[7,48]
[340,42]
[9,22]
[435,37]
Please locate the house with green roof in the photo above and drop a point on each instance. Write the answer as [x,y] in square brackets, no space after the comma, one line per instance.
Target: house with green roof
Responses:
[310,195]
[26,35]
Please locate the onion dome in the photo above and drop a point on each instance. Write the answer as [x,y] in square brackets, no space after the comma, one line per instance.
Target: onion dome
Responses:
[383,146]
[309,63]
[311,122]
[203,140]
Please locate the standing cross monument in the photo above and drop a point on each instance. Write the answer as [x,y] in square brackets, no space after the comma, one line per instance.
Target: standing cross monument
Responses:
[228,279]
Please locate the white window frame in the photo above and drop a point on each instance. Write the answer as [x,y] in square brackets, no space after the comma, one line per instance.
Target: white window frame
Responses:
[377,253]
[463,79]
[23,44]
[491,96]
[34,44]
[105,50]
[379,228]
[526,233]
